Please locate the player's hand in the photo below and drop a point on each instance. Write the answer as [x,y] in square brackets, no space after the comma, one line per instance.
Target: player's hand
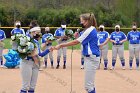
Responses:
[114,42]
[49,41]
[101,45]
[57,47]
[51,49]
[120,42]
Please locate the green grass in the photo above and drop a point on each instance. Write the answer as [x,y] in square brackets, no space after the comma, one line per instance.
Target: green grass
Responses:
[8,45]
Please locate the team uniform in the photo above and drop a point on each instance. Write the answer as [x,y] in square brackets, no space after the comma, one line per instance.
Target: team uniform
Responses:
[44,38]
[102,37]
[16,31]
[118,48]
[29,71]
[134,47]
[91,55]
[2,37]
[60,32]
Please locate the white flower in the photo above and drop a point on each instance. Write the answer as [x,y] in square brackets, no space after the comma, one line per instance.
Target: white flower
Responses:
[70,32]
[19,49]
[28,38]
[13,37]
[22,41]
[24,51]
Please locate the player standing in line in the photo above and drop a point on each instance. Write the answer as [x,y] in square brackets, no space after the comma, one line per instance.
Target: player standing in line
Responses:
[91,52]
[61,38]
[134,46]
[47,44]
[2,37]
[103,37]
[118,38]
[17,30]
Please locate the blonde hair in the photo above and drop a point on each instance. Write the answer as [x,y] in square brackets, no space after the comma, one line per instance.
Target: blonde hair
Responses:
[90,18]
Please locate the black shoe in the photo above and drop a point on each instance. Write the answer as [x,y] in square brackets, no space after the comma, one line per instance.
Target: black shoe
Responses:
[64,66]
[105,68]
[57,67]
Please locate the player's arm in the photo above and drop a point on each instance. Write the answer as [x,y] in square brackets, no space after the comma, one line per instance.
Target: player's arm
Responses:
[23,32]
[71,43]
[124,38]
[106,41]
[128,36]
[3,36]
[111,39]
[12,32]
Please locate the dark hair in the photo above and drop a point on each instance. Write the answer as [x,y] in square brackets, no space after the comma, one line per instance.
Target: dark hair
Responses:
[90,17]
[63,22]
[33,24]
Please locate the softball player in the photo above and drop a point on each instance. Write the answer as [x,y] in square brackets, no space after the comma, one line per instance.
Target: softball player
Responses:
[17,30]
[103,37]
[134,46]
[2,37]
[29,69]
[61,38]
[118,38]
[90,51]
[48,44]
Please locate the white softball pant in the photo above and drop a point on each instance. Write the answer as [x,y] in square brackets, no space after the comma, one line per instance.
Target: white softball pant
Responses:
[134,50]
[50,54]
[104,52]
[62,50]
[14,45]
[91,64]
[118,49]
[29,74]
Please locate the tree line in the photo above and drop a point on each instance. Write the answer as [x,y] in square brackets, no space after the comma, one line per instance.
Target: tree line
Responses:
[52,12]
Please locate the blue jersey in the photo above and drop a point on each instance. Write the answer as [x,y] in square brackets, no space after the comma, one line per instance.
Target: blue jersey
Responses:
[89,42]
[59,32]
[133,37]
[44,38]
[102,36]
[17,31]
[117,36]
[2,35]
[28,32]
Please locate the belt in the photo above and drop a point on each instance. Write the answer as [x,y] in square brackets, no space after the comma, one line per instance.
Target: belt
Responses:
[134,43]
[90,55]
[117,44]
[64,39]
[49,44]
[29,58]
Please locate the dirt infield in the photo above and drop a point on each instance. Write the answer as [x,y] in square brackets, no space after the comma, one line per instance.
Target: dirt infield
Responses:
[58,81]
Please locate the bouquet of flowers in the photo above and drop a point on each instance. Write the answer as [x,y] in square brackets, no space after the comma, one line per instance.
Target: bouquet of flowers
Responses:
[69,33]
[25,44]
[16,36]
[50,38]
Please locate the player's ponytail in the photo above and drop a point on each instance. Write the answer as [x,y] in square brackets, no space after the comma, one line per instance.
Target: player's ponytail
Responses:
[90,18]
